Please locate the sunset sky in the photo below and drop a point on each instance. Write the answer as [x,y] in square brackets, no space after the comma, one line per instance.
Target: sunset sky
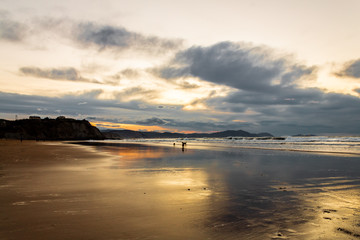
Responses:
[279,66]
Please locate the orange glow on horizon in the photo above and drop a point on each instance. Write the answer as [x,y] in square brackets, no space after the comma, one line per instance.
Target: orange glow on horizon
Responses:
[135,127]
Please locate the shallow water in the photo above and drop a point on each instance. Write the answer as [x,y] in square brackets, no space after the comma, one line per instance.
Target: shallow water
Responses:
[165,192]
[324,144]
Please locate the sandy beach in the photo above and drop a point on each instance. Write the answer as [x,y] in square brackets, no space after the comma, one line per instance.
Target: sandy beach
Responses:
[57,190]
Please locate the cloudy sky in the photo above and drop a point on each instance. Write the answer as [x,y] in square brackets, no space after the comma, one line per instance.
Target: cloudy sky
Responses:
[278,66]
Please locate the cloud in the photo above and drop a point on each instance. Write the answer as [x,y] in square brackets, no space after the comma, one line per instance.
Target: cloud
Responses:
[266,94]
[293,111]
[119,38]
[287,96]
[200,126]
[139,93]
[350,69]
[11,30]
[187,85]
[65,73]
[152,121]
[128,73]
[130,112]
[71,104]
[85,34]
[238,65]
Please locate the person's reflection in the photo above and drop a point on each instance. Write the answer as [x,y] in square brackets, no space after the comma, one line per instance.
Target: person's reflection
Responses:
[183,144]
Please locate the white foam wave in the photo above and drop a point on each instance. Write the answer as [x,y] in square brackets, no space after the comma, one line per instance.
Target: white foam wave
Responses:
[313,143]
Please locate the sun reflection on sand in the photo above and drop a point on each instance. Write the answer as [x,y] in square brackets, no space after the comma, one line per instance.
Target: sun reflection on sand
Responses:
[167,198]
[134,154]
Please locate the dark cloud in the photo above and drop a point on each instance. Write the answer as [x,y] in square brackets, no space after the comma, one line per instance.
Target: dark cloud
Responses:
[106,36]
[175,76]
[202,126]
[11,30]
[283,96]
[294,111]
[338,113]
[350,69]
[152,121]
[236,65]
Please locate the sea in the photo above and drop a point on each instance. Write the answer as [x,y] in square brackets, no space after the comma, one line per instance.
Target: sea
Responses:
[320,144]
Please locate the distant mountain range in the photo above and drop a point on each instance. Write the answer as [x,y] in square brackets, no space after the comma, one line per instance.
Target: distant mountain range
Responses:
[125,134]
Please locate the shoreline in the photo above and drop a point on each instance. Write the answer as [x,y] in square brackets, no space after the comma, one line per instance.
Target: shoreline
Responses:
[222,146]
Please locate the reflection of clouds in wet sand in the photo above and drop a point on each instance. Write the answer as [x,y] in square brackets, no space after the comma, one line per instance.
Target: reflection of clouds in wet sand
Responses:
[334,204]
[288,211]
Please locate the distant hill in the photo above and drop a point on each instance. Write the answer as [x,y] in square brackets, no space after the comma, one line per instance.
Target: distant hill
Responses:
[49,129]
[125,134]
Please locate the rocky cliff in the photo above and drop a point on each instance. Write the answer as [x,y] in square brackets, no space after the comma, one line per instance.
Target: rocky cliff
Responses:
[49,129]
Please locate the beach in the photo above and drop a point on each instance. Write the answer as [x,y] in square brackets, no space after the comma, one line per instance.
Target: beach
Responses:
[104,190]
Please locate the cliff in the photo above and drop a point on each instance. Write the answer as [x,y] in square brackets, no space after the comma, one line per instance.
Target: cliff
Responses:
[49,129]
[124,134]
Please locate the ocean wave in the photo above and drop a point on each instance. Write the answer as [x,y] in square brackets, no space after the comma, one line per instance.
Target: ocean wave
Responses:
[349,145]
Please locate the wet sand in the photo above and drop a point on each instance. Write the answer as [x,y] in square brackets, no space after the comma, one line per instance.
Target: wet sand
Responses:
[54,190]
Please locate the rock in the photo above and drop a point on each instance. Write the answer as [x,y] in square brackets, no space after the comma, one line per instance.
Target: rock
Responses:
[49,129]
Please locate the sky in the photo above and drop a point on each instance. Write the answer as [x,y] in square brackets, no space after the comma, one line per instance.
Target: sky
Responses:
[278,66]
